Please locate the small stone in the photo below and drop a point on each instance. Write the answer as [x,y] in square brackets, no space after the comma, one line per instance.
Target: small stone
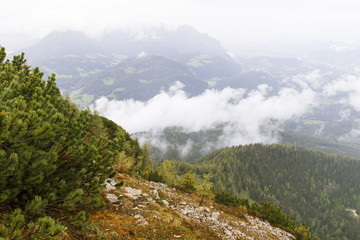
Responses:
[133,193]
[183,203]
[215,215]
[141,221]
[186,211]
[228,233]
[166,203]
[154,194]
[112,198]
[199,209]
[110,184]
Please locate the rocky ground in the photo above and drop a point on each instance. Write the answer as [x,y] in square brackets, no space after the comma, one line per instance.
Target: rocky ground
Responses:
[157,211]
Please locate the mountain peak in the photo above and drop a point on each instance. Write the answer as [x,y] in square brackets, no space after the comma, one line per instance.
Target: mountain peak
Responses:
[162,41]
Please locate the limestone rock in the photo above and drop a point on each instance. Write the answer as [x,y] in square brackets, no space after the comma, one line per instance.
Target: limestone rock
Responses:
[215,215]
[110,184]
[112,198]
[154,193]
[247,227]
[133,193]
[166,203]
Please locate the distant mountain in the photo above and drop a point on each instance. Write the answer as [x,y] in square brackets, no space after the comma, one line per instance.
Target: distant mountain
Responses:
[160,41]
[71,55]
[154,41]
[137,78]
[89,68]
[74,56]
[63,44]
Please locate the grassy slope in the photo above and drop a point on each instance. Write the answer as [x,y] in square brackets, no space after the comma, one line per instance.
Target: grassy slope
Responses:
[118,221]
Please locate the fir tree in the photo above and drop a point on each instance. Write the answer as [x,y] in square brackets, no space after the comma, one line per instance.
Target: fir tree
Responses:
[205,189]
[188,182]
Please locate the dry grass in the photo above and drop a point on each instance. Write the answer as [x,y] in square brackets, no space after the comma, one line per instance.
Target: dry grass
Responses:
[118,221]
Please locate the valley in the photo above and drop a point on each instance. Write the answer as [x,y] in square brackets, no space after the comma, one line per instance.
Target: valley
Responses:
[280,129]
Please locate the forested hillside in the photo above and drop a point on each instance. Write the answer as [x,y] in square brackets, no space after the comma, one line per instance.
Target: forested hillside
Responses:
[176,143]
[311,186]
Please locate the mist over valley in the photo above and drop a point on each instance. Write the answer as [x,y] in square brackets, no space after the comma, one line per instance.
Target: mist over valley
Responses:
[195,85]
[250,105]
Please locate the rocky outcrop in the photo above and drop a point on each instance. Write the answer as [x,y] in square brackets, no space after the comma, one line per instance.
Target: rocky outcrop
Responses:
[230,229]
[133,193]
[225,225]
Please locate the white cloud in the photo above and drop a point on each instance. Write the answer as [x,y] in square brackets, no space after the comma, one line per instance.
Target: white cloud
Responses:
[348,86]
[314,80]
[246,116]
[249,118]
[344,114]
[142,55]
[353,134]
[344,89]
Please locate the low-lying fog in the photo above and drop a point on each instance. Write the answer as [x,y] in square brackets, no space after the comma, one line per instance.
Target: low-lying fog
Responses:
[249,116]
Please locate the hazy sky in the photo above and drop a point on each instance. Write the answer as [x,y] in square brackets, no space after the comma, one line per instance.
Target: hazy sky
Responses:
[230,21]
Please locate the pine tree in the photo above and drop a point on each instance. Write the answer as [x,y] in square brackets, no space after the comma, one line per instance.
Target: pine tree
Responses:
[51,157]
